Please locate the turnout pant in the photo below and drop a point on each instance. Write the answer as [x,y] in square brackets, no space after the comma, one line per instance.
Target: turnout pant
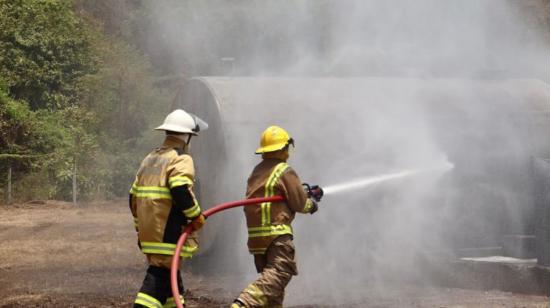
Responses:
[155,291]
[276,268]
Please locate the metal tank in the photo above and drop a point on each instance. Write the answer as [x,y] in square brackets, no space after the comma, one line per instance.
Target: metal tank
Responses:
[348,127]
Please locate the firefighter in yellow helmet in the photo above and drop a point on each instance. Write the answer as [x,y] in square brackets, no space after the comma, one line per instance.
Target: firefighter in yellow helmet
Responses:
[269,224]
[163,203]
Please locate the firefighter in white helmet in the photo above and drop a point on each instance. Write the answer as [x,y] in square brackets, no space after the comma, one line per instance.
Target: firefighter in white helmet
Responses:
[163,203]
[269,224]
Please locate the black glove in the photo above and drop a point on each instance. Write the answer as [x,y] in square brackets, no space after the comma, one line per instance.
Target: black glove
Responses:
[316,192]
[315,206]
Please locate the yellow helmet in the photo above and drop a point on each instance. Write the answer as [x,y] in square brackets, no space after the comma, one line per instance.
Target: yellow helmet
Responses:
[274,138]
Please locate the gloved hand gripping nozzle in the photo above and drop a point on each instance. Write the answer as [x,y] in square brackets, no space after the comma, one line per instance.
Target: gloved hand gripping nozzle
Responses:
[315,193]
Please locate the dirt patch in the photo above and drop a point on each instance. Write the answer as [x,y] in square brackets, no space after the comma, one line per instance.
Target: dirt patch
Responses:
[55,254]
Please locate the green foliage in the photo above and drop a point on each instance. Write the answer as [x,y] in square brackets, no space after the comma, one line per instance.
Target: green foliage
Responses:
[44,49]
[18,127]
[44,142]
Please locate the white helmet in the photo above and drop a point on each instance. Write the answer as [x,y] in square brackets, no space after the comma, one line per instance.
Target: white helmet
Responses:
[180,121]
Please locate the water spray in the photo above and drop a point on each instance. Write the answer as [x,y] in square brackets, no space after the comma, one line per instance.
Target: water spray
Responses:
[372,180]
[366,181]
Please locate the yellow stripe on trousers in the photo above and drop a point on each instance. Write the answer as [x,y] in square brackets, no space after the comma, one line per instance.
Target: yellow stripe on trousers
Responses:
[147,301]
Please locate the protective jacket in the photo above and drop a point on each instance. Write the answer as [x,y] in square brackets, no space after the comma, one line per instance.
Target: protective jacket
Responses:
[270,220]
[162,202]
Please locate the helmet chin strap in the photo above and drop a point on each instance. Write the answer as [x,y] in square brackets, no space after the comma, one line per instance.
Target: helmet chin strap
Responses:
[186,138]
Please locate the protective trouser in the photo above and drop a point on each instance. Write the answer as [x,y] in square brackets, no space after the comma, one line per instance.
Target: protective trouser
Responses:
[276,268]
[155,291]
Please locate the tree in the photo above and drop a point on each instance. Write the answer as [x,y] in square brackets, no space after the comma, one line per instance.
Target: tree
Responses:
[44,49]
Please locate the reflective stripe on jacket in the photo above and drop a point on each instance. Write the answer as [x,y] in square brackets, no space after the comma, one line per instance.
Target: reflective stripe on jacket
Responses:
[158,224]
[269,220]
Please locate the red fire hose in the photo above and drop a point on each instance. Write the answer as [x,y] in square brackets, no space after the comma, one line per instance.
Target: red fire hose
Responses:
[188,229]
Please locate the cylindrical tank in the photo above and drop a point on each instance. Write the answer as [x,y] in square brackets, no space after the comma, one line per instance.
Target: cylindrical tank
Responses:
[348,127]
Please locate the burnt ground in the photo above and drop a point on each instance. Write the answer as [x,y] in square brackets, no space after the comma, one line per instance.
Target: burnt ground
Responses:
[53,254]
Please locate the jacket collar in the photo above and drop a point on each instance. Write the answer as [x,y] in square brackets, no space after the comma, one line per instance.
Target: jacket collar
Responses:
[273,160]
[173,142]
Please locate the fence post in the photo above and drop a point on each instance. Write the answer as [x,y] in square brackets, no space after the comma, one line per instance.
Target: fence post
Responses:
[8,192]
[74,182]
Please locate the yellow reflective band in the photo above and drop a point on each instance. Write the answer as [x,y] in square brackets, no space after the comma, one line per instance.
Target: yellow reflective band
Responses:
[270,191]
[264,207]
[257,294]
[132,190]
[152,195]
[309,206]
[269,230]
[257,251]
[153,192]
[147,301]
[167,249]
[170,302]
[193,211]
[136,187]
[179,181]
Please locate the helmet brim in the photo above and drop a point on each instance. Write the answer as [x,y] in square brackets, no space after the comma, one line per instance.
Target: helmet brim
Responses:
[271,148]
[176,129]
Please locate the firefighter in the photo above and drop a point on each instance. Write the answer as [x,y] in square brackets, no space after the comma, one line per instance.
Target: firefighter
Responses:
[269,224]
[163,203]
